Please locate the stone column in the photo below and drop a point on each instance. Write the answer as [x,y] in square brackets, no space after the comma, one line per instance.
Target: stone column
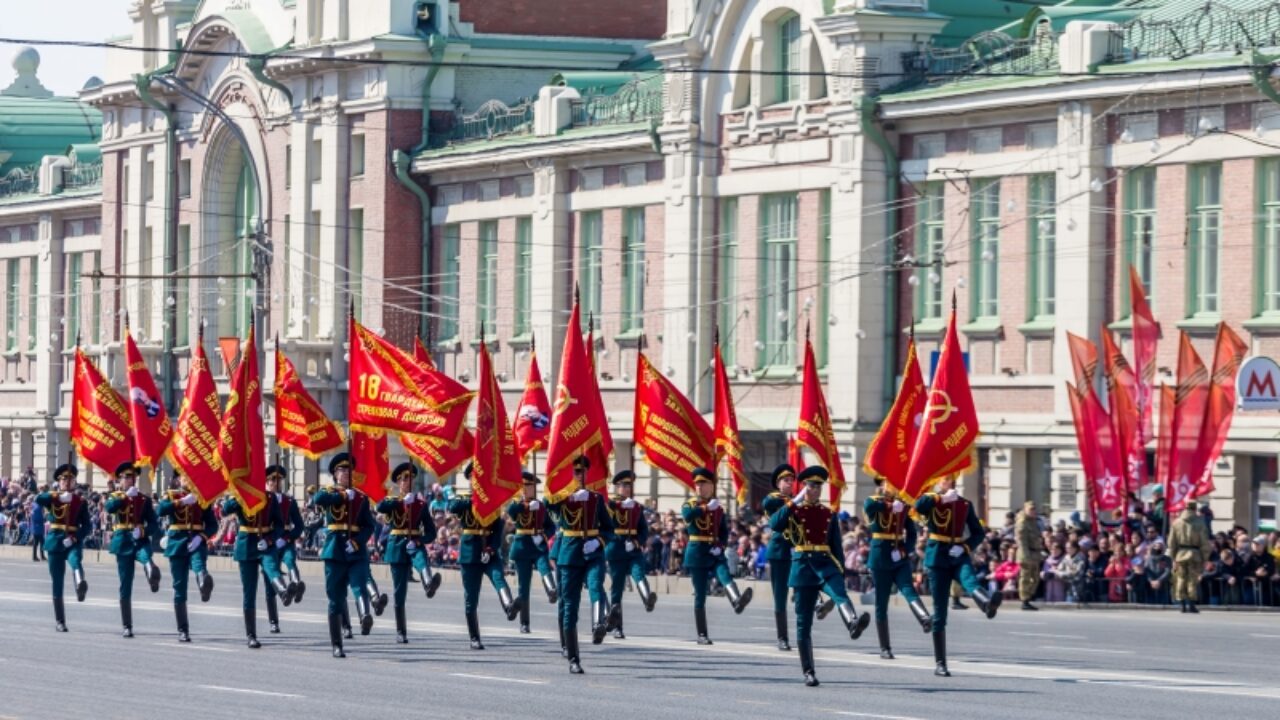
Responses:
[551,291]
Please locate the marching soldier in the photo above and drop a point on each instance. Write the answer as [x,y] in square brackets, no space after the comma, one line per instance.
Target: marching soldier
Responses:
[480,554]
[1189,545]
[349,522]
[625,551]
[584,527]
[954,532]
[69,525]
[186,546]
[893,540]
[259,538]
[287,554]
[779,550]
[708,535]
[412,529]
[533,525]
[1030,553]
[815,531]
[134,523]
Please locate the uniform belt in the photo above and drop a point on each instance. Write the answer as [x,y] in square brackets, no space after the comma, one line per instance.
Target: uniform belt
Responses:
[186,527]
[625,532]
[946,538]
[254,530]
[886,536]
[812,548]
[475,532]
[338,528]
[411,533]
[580,533]
[125,526]
[527,531]
[64,528]
[701,538]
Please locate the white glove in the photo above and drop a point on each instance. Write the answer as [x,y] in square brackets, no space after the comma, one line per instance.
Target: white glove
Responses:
[132,492]
[68,541]
[164,542]
[898,506]
[65,497]
[538,540]
[534,504]
[582,495]
[137,533]
[190,499]
[195,543]
[590,546]
[628,503]
[351,494]
[412,545]
[351,548]
[280,543]
[716,551]
[957,550]
[262,546]
[950,496]
[408,499]
[631,547]
[713,504]
[896,555]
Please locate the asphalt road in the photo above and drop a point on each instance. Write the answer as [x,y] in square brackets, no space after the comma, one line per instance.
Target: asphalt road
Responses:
[1049,664]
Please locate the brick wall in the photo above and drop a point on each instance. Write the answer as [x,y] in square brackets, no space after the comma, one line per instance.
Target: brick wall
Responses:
[645,20]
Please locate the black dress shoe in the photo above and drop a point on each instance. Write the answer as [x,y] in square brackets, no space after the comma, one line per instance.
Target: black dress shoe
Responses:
[810,679]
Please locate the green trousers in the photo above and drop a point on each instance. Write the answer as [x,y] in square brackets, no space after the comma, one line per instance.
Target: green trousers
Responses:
[401,575]
[940,579]
[341,575]
[524,575]
[885,579]
[618,572]
[701,577]
[249,569]
[59,558]
[471,577]
[572,579]
[180,566]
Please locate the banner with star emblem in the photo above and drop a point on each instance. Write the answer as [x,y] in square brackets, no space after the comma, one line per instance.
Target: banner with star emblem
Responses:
[575,428]
[152,430]
[1146,332]
[495,474]
[1099,456]
[889,453]
[814,429]
[1191,397]
[533,414]
[1228,352]
[669,429]
[1126,418]
[728,442]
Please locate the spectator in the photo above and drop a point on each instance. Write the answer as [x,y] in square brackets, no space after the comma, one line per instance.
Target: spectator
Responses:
[1005,577]
[1052,574]
[1117,575]
[1159,573]
[1095,575]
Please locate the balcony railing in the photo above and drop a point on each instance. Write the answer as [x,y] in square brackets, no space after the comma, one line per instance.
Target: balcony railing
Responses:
[493,119]
[20,181]
[81,176]
[637,101]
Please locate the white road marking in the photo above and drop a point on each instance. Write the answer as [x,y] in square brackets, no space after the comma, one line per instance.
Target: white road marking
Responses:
[1222,689]
[499,679]
[848,713]
[247,691]
[189,646]
[1087,650]
[1265,636]
[1020,622]
[1048,635]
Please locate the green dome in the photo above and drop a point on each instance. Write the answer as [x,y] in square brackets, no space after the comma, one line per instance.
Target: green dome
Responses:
[31,128]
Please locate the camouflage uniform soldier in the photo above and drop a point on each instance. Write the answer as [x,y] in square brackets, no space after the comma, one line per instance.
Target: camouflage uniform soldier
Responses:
[1030,553]
[1189,545]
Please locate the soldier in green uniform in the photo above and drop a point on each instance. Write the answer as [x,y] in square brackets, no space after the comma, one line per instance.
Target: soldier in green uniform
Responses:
[893,541]
[134,524]
[1189,545]
[533,525]
[778,552]
[412,529]
[1030,553]
[186,546]
[954,532]
[69,525]
[584,528]
[349,522]
[258,540]
[286,554]
[815,533]
[704,556]
[625,551]
[480,554]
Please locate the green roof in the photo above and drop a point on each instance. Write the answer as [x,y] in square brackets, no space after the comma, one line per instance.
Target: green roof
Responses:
[970,17]
[31,128]
[523,140]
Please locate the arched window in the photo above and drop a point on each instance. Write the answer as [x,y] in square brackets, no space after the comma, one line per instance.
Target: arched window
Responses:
[789,59]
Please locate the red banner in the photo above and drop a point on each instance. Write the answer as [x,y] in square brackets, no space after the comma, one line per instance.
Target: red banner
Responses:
[1084,361]
[949,430]
[495,475]
[242,446]
[391,391]
[814,429]
[152,430]
[575,428]
[533,415]
[1099,456]
[1228,352]
[669,429]
[728,442]
[421,354]
[440,457]
[373,467]
[1122,394]
[194,450]
[1145,335]
[100,428]
[1187,460]
[598,473]
[889,454]
[300,422]
[795,458]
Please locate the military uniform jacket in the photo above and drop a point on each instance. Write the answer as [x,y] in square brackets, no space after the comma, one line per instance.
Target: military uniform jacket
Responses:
[294,527]
[69,519]
[579,522]
[129,513]
[346,519]
[890,531]
[1030,542]
[815,532]
[529,524]
[408,521]
[1188,540]
[477,540]
[708,529]
[950,524]
[266,524]
[628,526]
[186,522]
[779,544]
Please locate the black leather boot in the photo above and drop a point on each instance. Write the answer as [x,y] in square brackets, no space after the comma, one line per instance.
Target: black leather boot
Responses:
[184,629]
[430,582]
[153,576]
[510,605]
[571,648]
[251,629]
[824,609]
[126,618]
[205,581]
[646,595]
[377,598]
[273,615]
[296,577]
[549,584]
[365,610]
[402,626]
[882,632]
[700,622]
[617,632]
[599,623]
[473,629]
[283,590]
[738,598]
[806,662]
[335,634]
[82,586]
[853,622]
[345,619]
[921,614]
[780,621]
[987,602]
[59,615]
[564,649]
[940,653]
[524,619]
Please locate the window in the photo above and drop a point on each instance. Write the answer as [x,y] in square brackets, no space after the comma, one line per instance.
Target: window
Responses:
[524,275]
[1140,228]
[1042,208]
[778,277]
[1206,235]
[789,80]
[450,266]
[1269,237]
[727,278]
[11,306]
[184,178]
[33,300]
[985,210]
[316,161]
[357,155]
[487,283]
[633,270]
[355,259]
[591,242]
[182,300]
[824,276]
[74,264]
[929,242]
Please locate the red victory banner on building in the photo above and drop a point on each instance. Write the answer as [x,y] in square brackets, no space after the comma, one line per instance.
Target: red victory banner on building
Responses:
[495,474]
[728,442]
[889,454]
[300,422]
[1125,417]
[949,430]
[152,430]
[372,464]
[242,445]
[1146,333]
[1187,461]
[672,433]
[194,450]
[1228,352]
[533,416]
[814,429]
[391,391]
[575,426]
[100,428]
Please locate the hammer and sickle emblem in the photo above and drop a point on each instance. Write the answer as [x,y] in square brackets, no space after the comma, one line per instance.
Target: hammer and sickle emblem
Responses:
[944,406]
[563,398]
